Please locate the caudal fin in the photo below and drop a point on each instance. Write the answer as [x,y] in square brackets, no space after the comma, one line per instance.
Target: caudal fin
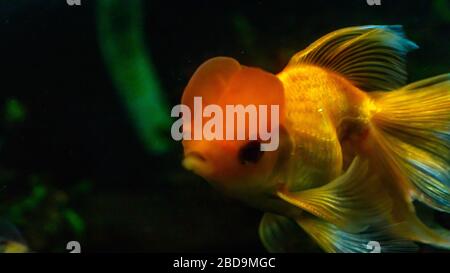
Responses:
[281,234]
[412,130]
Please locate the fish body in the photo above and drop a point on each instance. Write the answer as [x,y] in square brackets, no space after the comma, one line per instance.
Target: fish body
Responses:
[320,106]
[357,145]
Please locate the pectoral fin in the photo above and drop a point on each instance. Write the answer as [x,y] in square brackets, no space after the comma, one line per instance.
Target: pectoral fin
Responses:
[352,201]
[374,239]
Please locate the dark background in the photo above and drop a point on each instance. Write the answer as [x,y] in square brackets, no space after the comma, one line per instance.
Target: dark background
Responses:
[72,166]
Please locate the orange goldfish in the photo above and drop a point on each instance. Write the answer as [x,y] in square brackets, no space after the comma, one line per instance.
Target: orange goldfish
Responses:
[356,144]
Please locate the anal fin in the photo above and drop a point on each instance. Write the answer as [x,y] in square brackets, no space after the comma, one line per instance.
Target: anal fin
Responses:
[332,239]
[352,201]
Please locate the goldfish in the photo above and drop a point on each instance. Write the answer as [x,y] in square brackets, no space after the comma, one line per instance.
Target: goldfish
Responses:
[358,146]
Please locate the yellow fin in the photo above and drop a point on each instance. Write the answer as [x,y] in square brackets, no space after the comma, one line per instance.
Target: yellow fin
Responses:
[422,227]
[352,201]
[371,57]
[412,131]
[332,239]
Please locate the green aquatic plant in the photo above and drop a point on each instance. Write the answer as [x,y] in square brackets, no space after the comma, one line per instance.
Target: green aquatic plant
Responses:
[121,38]
[14,111]
[75,221]
[18,210]
[442,9]
[44,213]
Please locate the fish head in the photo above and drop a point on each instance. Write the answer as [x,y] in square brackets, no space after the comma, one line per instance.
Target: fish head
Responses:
[228,161]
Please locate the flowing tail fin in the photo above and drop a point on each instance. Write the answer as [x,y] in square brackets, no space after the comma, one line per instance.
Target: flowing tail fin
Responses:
[281,234]
[412,130]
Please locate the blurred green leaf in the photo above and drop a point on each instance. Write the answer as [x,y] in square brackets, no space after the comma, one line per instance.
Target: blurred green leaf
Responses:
[442,8]
[75,221]
[14,111]
[121,38]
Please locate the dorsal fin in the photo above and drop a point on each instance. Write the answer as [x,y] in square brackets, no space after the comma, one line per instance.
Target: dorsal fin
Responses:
[371,57]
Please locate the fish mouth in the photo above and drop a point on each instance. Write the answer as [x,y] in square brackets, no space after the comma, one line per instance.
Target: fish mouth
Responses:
[197,163]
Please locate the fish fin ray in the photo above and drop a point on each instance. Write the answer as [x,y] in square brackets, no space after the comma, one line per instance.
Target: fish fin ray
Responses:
[411,127]
[333,239]
[350,201]
[371,57]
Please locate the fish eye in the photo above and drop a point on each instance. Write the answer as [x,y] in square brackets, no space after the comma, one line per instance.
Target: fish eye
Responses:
[250,152]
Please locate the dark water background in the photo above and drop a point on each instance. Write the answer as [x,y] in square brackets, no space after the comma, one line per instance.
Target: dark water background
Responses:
[71,164]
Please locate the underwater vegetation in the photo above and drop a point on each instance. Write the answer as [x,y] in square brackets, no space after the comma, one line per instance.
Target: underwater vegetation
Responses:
[121,37]
[14,111]
[45,213]
[442,8]
[41,209]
